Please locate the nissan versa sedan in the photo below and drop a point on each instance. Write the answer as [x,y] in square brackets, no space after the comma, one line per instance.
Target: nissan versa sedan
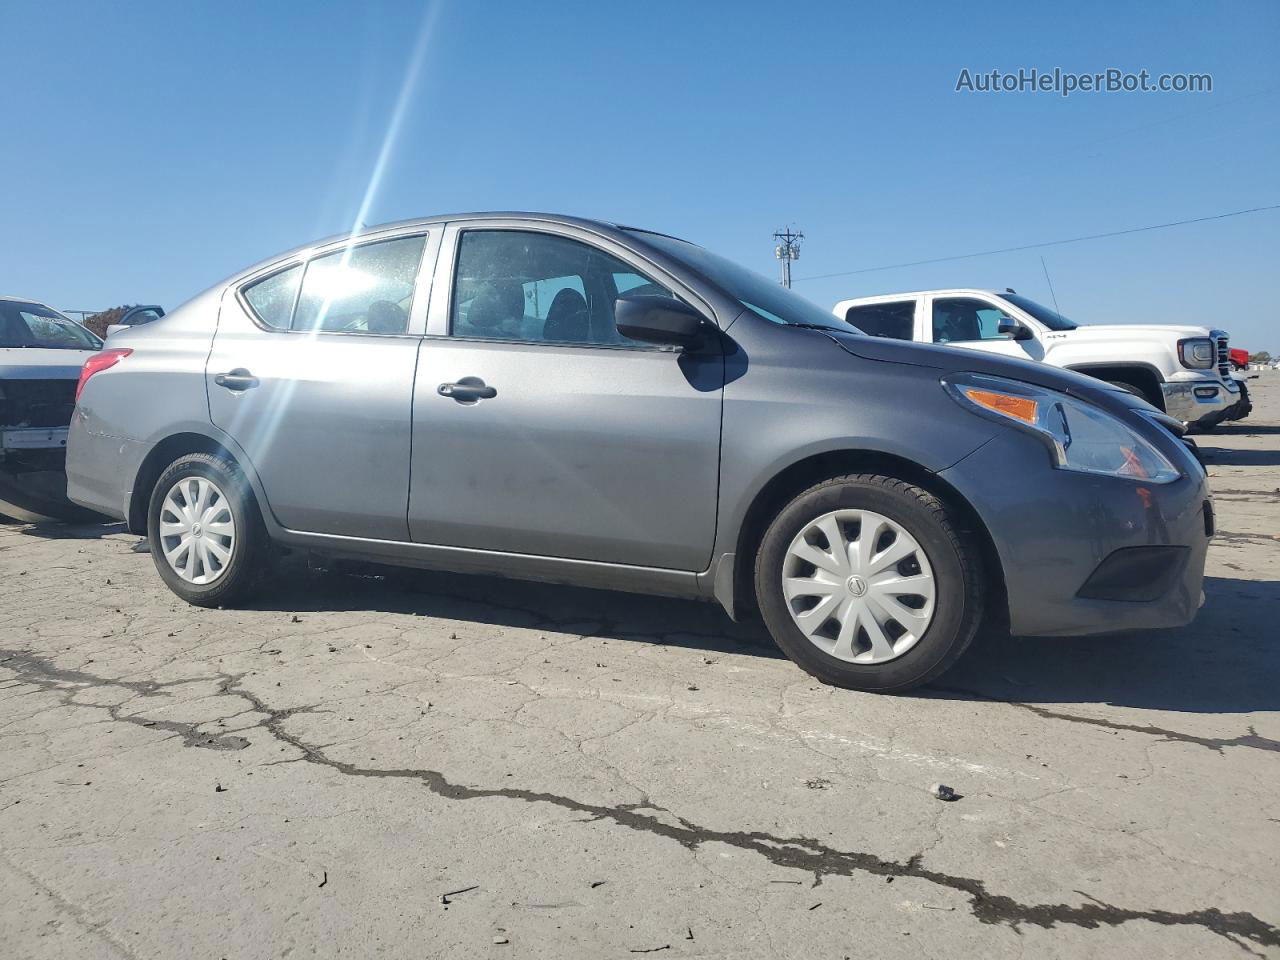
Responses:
[559,399]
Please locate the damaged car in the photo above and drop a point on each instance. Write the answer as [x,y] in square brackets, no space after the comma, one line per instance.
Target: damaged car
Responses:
[42,353]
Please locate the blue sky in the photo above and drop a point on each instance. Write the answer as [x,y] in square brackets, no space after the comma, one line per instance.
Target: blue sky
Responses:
[152,149]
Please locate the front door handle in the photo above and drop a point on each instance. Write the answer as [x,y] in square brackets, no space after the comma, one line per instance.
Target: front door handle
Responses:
[237,379]
[467,390]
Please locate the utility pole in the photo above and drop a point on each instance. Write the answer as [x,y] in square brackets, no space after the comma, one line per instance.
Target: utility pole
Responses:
[787,249]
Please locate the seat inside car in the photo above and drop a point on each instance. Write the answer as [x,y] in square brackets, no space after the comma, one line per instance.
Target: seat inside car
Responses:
[568,319]
[386,317]
[496,311]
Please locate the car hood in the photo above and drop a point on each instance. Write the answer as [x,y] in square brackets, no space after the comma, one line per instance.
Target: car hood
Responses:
[1163,332]
[956,360]
[41,363]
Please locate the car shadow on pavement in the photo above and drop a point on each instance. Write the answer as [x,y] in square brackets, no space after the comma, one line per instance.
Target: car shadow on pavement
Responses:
[1231,457]
[515,603]
[1224,662]
[53,530]
[1246,429]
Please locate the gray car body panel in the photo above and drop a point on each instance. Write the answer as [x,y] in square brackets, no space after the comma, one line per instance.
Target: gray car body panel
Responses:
[626,468]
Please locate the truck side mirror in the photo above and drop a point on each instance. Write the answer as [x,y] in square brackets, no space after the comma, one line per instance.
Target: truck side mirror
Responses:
[1014,330]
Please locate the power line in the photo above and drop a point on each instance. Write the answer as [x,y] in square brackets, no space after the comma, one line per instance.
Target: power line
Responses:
[1047,243]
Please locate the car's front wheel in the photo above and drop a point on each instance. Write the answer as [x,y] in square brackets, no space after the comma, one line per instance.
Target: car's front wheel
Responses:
[205,532]
[868,582]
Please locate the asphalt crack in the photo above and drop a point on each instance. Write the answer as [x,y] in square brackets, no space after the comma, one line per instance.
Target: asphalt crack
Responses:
[799,853]
[67,682]
[1252,739]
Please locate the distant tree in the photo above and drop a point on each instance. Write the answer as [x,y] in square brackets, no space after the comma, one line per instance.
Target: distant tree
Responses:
[1260,357]
[98,322]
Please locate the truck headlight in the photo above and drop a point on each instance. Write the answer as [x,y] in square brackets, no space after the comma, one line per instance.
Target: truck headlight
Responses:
[1198,353]
[1080,436]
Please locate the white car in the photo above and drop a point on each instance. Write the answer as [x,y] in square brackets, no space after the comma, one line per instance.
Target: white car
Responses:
[42,353]
[1182,370]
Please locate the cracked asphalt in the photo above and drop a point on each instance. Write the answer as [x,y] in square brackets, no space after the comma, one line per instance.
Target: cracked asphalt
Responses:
[404,764]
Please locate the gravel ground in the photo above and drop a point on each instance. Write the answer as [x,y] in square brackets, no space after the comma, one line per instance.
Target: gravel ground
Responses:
[426,765]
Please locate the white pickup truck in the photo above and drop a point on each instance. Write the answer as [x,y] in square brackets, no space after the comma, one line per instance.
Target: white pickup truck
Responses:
[1184,371]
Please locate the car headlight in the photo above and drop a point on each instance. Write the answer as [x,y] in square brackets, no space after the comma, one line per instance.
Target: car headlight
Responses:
[1198,353]
[1079,435]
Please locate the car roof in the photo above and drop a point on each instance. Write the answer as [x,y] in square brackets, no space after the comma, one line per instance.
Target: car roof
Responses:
[368,232]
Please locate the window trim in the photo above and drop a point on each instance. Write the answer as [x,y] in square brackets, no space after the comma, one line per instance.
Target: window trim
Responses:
[440,316]
[422,283]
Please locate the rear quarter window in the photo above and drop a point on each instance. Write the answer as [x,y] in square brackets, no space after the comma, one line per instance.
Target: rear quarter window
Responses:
[271,298]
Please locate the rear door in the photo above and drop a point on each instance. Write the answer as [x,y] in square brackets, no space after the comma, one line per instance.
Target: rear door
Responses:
[894,319]
[312,373]
[538,429]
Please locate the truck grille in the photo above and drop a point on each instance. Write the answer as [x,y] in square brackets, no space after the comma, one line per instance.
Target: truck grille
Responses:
[37,403]
[1224,353]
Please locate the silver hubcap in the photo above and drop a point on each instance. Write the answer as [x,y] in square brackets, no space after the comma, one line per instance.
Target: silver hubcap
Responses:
[197,530]
[859,586]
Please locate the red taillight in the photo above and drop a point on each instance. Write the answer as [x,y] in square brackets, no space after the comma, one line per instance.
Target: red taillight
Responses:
[96,364]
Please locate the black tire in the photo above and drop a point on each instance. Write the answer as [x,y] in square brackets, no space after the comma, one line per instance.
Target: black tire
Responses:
[953,554]
[1137,391]
[251,547]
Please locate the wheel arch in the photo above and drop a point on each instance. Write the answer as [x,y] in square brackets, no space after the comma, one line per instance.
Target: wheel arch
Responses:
[805,473]
[1142,375]
[170,449]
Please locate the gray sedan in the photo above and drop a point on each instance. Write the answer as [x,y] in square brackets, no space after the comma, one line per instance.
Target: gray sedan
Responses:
[559,399]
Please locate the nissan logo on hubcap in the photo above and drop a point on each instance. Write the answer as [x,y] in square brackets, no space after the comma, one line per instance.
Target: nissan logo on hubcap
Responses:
[857,586]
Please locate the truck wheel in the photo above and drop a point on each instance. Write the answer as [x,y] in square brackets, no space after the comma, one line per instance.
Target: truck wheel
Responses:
[206,535]
[868,583]
[1137,391]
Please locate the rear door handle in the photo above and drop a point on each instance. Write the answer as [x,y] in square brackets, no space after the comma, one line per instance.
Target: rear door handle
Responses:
[467,390]
[237,379]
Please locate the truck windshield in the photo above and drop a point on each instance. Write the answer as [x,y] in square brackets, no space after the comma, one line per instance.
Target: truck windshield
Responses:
[762,296]
[1050,318]
[35,325]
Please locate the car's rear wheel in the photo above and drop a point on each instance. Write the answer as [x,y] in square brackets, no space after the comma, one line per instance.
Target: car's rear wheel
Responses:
[867,582]
[206,535]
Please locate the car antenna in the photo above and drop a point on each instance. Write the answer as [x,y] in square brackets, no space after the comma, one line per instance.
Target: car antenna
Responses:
[1044,266]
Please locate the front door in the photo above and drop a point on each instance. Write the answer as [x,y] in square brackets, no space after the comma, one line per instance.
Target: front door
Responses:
[974,323]
[311,373]
[539,429]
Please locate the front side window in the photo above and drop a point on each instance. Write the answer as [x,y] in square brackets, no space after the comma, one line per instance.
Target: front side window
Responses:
[964,319]
[34,325]
[539,287]
[364,289]
[894,320]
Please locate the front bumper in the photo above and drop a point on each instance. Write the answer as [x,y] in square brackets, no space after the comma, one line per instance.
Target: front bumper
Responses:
[1055,530]
[1199,400]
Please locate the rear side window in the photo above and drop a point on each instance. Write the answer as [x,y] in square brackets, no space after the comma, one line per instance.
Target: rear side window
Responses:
[271,298]
[893,320]
[364,289]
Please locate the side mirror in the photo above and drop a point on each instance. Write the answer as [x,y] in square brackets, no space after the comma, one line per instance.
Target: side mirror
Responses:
[116,328]
[1014,330]
[652,319]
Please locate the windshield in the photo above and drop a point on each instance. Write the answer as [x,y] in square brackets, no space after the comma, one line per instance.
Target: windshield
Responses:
[770,300]
[1050,318]
[34,325]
